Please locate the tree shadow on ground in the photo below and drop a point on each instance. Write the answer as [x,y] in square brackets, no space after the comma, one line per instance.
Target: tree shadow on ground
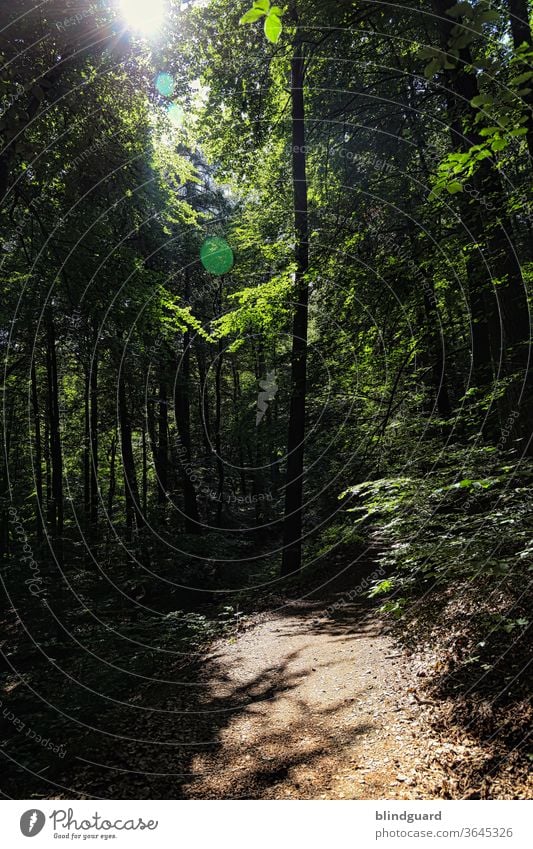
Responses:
[155,746]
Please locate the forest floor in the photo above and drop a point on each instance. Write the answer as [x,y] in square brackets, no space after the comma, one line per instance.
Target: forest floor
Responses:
[325,710]
[311,697]
[300,704]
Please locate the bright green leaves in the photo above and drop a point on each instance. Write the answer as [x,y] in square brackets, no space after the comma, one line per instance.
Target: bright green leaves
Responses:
[272,14]
[273,28]
[454,187]
[261,308]
[251,16]
[455,169]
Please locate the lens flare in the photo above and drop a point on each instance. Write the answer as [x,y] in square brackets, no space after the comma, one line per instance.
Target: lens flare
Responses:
[145,16]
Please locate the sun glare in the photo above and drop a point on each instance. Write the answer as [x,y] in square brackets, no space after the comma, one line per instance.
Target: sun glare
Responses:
[145,16]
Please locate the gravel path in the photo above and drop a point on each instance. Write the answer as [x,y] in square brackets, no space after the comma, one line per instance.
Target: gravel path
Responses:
[319,707]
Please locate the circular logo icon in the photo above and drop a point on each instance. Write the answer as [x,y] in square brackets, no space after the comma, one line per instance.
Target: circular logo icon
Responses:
[216,255]
[32,822]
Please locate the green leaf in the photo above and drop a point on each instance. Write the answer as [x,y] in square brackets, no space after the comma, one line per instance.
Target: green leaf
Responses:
[454,187]
[277,10]
[481,100]
[264,5]
[460,9]
[428,52]
[522,78]
[252,16]
[273,28]
[432,68]
[491,16]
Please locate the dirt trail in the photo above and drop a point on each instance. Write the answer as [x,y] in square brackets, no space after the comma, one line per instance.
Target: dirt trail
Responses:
[300,705]
[320,707]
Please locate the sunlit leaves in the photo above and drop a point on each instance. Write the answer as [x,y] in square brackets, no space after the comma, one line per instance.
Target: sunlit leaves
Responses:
[273,28]
[251,16]
[272,14]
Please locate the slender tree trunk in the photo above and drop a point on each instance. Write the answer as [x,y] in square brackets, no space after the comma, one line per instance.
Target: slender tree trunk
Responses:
[38,454]
[4,491]
[261,439]
[94,444]
[437,349]
[218,420]
[436,342]
[86,448]
[162,448]
[131,491]
[112,477]
[145,473]
[237,406]
[292,525]
[56,457]
[150,424]
[182,410]
[203,396]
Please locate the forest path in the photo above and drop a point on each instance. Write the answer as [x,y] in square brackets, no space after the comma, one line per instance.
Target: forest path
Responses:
[319,706]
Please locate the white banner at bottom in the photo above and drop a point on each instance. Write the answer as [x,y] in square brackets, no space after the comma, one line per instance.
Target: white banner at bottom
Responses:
[258,824]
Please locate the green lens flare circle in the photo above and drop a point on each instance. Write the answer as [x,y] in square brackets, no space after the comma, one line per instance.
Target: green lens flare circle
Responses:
[216,255]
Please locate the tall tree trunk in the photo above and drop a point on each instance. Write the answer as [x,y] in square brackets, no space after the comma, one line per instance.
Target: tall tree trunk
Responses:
[145,473]
[435,341]
[237,406]
[162,448]
[261,439]
[4,491]
[56,457]
[86,448]
[112,477]
[131,491]
[203,396]
[218,416]
[292,524]
[94,444]
[150,424]
[182,411]
[38,454]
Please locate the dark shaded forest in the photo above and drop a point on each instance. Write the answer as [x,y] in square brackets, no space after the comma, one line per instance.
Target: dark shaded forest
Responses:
[265,325]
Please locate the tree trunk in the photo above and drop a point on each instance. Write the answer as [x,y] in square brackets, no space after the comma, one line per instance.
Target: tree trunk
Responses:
[182,411]
[112,478]
[292,524]
[237,406]
[86,448]
[162,448]
[131,491]
[218,417]
[145,473]
[203,396]
[56,458]
[38,454]
[94,444]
